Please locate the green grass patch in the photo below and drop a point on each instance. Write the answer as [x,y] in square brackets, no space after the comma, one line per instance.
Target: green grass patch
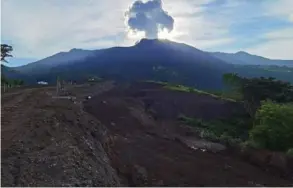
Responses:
[156,82]
[215,94]
[194,90]
[227,131]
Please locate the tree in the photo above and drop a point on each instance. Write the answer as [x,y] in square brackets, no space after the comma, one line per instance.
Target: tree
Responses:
[232,79]
[234,83]
[273,127]
[5,52]
[16,82]
[255,90]
[21,82]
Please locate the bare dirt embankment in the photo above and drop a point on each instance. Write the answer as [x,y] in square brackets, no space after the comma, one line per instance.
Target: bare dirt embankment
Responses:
[51,142]
[118,137]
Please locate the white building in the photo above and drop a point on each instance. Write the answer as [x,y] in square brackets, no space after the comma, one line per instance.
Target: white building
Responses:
[42,83]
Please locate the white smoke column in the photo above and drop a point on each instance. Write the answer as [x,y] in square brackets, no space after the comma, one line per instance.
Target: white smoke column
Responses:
[148,17]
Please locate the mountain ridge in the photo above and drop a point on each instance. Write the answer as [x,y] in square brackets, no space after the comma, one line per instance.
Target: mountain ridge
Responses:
[148,59]
[245,58]
[161,60]
[78,53]
[55,60]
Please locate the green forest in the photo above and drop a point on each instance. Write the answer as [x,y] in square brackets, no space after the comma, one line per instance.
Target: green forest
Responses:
[269,121]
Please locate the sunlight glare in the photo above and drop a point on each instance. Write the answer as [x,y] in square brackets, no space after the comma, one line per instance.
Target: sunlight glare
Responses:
[165,34]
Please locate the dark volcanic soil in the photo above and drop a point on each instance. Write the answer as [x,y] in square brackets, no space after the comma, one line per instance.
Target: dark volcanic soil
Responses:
[119,137]
[146,151]
[51,142]
[166,104]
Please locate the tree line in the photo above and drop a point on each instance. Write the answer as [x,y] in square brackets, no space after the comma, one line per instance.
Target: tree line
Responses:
[269,102]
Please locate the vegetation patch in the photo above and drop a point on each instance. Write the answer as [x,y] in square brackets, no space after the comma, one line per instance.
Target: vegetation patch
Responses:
[290,152]
[268,101]
[273,126]
[228,131]
[182,88]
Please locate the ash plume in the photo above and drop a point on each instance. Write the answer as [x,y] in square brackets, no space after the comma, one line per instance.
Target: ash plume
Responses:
[148,17]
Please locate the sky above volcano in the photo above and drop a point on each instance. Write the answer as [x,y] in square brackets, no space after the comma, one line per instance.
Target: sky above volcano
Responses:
[40,28]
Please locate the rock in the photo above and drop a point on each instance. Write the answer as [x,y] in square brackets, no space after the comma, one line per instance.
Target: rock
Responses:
[139,175]
[204,145]
[265,158]
[278,160]
[252,183]
[88,97]
[159,183]
[227,167]
[257,157]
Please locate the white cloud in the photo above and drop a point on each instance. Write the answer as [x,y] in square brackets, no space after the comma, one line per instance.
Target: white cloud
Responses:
[39,28]
[201,33]
[291,17]
[184,8]
[278,42]
[286,33]
[279,49]
[203,44]
[280,8]
[194,27]
[279,45]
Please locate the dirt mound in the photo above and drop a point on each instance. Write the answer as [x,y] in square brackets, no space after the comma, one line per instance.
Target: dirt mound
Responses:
[148,151]
[51,142]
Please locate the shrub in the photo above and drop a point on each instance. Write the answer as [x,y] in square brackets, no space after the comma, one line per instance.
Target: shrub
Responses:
[290,152]
[249,144]
[273,126]
[227,131]
[226,139]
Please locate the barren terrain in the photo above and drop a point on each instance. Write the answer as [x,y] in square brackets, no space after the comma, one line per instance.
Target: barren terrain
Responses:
[119,136]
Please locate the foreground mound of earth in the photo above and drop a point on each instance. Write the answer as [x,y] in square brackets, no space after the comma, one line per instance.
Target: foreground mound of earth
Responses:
[107,135]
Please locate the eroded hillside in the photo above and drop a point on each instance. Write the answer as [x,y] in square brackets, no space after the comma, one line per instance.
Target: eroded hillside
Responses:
[120,136]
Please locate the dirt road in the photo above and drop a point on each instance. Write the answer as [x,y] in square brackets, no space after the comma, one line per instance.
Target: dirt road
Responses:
[108,140]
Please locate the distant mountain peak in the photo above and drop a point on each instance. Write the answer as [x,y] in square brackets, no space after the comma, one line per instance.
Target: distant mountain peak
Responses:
[242,52]
[75,49]
[145,41]
[244,58]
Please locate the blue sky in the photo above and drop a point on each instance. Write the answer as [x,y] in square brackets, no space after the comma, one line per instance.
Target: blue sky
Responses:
[40,28]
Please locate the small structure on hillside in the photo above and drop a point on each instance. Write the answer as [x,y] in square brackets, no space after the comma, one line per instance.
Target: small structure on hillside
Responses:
[42,83]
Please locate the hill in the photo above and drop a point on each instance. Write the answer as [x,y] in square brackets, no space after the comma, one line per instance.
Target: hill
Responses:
[244,58]
[61,58]
[11,73]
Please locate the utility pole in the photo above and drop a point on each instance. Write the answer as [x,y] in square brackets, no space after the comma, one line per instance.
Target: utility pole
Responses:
[4,87]
[57,86]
